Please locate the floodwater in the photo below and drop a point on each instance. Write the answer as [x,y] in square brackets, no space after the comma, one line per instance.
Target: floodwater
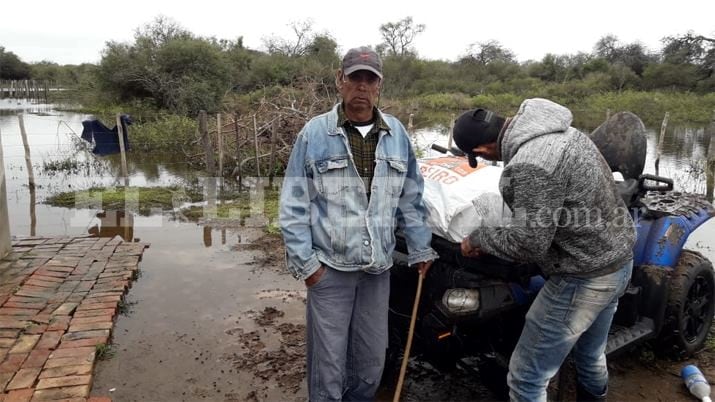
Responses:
[214,316]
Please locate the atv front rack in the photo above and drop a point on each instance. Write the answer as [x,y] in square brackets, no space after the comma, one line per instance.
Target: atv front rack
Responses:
[661,203]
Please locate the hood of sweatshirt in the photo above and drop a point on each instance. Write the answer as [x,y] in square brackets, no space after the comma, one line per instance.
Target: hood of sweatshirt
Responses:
[536,117]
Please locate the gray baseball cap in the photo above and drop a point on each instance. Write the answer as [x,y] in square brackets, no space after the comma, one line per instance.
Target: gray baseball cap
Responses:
[362,58]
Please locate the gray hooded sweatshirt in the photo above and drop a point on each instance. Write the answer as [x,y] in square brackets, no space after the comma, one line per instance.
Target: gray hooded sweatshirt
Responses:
[568,216]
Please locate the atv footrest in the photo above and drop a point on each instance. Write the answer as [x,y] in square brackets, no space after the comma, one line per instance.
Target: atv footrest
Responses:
[624,336]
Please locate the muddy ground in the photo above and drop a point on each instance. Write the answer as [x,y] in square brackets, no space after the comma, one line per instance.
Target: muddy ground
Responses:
[225,323]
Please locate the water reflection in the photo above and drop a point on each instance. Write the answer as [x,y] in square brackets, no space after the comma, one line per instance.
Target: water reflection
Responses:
[11,107]
[208,240]
[33,213]
[114,223]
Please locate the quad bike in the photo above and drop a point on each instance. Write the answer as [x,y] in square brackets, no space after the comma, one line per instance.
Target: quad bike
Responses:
[472,309]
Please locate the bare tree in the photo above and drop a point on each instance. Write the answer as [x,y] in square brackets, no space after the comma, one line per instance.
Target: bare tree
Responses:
[161,30]
[398,36]
[608,47]
[634,55]
[690,48]
[298,45]
[489,52]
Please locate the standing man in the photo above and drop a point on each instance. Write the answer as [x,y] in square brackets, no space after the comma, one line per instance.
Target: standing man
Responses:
[568,219]
[351,179]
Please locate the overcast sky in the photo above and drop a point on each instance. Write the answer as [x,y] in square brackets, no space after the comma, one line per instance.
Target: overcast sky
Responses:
[73,32]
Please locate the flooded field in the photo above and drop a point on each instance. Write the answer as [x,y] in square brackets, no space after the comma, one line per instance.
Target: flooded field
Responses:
[214,315]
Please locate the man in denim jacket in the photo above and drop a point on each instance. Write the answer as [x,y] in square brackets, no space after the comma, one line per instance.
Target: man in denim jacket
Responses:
[352,178]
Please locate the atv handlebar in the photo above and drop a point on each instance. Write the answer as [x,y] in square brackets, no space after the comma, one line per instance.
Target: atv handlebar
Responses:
[455,151]
[664,183]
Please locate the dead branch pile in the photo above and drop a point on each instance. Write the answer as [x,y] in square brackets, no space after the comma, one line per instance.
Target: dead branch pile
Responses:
[249,142]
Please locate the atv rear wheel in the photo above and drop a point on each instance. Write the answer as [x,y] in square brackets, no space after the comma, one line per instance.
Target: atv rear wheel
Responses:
[691,304]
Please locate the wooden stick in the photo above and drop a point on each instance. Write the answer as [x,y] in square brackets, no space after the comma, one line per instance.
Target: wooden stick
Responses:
[30,176]
[274,135]
[219,141]
[661,139]
[408,346]
[255,137]
[122,150]
[28,161]
[451,131]
[238,149]
[208,148]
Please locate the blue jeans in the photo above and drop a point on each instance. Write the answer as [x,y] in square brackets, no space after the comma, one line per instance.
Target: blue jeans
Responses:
[346,335]
[568,313]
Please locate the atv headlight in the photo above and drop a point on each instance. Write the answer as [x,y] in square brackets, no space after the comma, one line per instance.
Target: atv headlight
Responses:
[461,301]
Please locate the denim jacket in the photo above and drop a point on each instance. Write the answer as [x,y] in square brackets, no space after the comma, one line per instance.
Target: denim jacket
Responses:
[325,216]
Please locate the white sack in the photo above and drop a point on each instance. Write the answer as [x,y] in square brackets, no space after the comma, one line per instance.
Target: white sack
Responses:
[460,198]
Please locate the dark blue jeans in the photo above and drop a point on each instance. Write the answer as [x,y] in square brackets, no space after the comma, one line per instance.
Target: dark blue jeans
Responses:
[346,335]
[568,313]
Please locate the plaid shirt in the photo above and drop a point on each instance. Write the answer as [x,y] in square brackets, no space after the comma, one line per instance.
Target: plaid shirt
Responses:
[363,149]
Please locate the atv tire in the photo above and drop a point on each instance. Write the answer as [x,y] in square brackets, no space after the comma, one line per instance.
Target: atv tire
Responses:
[691,304]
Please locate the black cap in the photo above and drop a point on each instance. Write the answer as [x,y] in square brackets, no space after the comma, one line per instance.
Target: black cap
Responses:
[362,58]
[474,128]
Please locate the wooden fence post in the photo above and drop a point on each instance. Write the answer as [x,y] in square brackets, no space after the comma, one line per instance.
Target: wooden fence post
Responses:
[451,131]
[206,139]
[661,139]
[274,136]
[219,142]
[410,124]
[30,176]
[255,138]
[238,149]
[28,161]
[122,150]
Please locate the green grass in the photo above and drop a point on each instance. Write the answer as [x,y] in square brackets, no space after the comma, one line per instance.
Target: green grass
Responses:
[104,351]
[145,199]
[125,307]
[238,207]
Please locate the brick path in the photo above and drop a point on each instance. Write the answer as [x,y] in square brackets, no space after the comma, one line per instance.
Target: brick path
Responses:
[58,300]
